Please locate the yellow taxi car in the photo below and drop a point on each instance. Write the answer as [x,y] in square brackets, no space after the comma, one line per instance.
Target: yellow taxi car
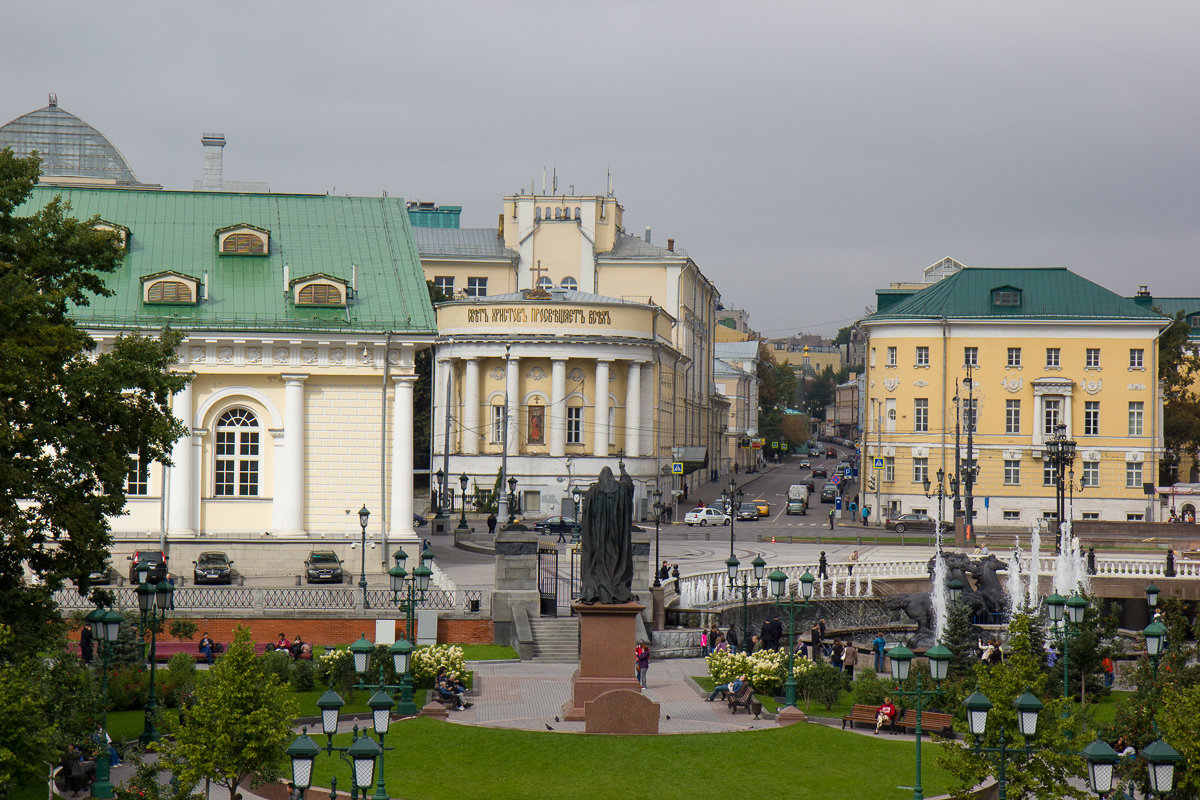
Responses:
[764,508]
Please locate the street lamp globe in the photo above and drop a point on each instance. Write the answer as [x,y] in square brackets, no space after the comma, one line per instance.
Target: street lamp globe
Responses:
[381,711]
[760,567]
[421,575]
[303,752]
[463,480]
[1101,759]
[1075,608]
[731,566]
[1160,765]
[400,556]
[939,661]
[95,621]
[956,590]
[401,652]
[145,596]
[330,704]
[363,516]
[978,707]
[112,625]
[900,657]
[363,753]
[778,581]
[1155,632]
[427,558]
[361,649]
[806,585]
[396,575]
[1027,707]
[1152,595]
[164,593]
[1054,606]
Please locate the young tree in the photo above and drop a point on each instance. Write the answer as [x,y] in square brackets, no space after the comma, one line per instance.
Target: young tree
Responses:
[239,727]
[71,417]
[1042,774]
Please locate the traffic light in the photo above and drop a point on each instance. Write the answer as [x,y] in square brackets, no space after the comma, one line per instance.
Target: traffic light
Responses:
[870,483]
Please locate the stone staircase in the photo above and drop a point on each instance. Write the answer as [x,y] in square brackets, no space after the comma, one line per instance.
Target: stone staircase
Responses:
[555,639]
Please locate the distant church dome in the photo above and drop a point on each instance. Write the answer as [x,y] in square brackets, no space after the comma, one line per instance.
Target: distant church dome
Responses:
[69,147]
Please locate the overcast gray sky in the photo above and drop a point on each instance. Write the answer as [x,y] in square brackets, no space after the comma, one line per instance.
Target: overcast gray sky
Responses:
[803,153]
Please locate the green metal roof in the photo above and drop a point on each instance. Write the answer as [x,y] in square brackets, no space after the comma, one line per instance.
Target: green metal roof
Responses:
[309,233]
[1046,293]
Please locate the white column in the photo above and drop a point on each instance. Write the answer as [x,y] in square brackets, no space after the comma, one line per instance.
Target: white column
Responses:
[558,409]
[440,399]
[633,410]
[401,530]
[182,495]
[650,414]
[471,431]
[512,389]
[290,499]
[600,411]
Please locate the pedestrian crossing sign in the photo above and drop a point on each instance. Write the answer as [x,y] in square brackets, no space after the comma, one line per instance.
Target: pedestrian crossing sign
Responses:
[879,463]
[677,468]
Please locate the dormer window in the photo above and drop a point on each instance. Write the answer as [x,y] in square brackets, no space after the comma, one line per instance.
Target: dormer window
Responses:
[121,231]
[170,289]
[243,240]
[1006,297]
[319,290]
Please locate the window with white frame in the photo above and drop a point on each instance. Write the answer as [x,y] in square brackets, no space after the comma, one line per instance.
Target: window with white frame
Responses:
[476,287]
[920,470]
[1012,471]
[1136,411]
[1014,356]
[1092,358]
[575,425]
[568,283]
[1133,475]
[1137,358]
[612,425]
[137,481]
[1012,416]
[1091,418]
[445,283]
[921,415]
[1049,474]
[1012,516]
[498,423]
[1053,357]
[545,283]
[1134,517]
[1051,414]
[891,356]
[236,469]
[1090,477]
[970,356]
[1090,515]
[889,469]
[922,356]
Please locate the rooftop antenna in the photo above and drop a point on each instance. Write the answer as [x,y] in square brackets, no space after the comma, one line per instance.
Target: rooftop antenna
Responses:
[543,178]
[609,171]
[286,272]
[554,180]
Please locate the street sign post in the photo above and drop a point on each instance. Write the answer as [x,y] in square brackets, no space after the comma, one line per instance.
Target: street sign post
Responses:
[878,463]
[677,468]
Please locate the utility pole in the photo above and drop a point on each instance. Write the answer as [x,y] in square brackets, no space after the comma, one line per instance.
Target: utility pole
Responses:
[502,498]
[879,449]
[957,455]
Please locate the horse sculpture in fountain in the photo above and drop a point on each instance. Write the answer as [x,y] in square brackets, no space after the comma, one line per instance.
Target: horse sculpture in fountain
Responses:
[982,593]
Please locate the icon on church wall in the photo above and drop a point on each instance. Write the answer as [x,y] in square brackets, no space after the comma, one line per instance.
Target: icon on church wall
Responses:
[535,427]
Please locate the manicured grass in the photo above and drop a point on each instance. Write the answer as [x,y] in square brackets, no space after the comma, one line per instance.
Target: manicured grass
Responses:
[800,761]
[814,709]
[1106,709]
[487,652]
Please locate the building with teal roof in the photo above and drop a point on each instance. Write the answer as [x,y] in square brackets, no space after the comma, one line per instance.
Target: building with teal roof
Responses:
[302,315]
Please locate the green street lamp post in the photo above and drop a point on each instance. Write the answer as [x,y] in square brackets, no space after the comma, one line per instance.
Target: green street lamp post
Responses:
[364,516]
[1027,707]
[463,480]
[778,583]
[105,626]
[1160,760]
[657,494]
[1075,607]
[734,503]
[153,602]
[362,754]
[760,569]
[440,511]
[408,592]
[939,660]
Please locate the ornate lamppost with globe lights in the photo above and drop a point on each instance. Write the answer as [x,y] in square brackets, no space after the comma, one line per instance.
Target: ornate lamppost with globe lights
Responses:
[105,625]
[760,569]
[1027,707]
[939,661]
[153,602]
[463,480]
[778,583]
[1075,606]
[408,592]
[657,494]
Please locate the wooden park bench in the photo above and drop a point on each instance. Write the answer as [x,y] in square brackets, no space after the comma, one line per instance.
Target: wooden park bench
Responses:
[931,722]
[867,715]
[742,697]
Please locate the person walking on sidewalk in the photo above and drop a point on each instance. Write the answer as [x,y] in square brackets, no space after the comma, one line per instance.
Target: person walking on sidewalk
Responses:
[641,656]
[830,519]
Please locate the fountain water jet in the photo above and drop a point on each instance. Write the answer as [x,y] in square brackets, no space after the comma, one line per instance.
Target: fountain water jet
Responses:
[938,594]
[1015,593]
[1035,562]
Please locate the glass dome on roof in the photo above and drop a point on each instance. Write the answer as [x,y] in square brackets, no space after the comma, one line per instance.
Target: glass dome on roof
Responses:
[69,147]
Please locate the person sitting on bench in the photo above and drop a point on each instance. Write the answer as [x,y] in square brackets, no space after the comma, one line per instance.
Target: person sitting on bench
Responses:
[726,689]
[885,714]
[447,695]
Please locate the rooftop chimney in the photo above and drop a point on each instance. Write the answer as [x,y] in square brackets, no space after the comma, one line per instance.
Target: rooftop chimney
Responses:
[213,175]
[671,245]
[647,234]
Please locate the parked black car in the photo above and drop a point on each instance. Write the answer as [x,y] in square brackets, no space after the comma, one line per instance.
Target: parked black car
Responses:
[829,493]
[212,567]
[153,561]
[323,566]
[915,522]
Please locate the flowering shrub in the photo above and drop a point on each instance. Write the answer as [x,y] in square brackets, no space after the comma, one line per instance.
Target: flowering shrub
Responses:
[767,669]
[335,668]
[426,661]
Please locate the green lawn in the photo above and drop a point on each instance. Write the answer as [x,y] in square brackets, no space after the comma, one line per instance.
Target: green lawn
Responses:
[797,762]
[487,652]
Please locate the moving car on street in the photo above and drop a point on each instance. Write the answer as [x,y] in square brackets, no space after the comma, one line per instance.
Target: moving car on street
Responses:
[829,493]
[915,522]
[820,472]
[747,511]
[567,525]
[707,516]
[764,508]
[805,464]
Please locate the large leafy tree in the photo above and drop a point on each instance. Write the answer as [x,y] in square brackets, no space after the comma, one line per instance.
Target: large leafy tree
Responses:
[69,417]
[424,426]
[239,727]
[1178,369]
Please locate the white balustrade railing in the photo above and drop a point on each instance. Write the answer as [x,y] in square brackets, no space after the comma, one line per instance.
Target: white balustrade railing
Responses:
[712,588]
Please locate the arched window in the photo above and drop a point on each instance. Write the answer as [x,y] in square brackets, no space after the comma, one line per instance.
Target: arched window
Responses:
[570,284]
[320,294]
[169,292]
[243,244]
[577,216]
[558,213]
[545,284]
[537,212]
[236,470]
[546,213]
